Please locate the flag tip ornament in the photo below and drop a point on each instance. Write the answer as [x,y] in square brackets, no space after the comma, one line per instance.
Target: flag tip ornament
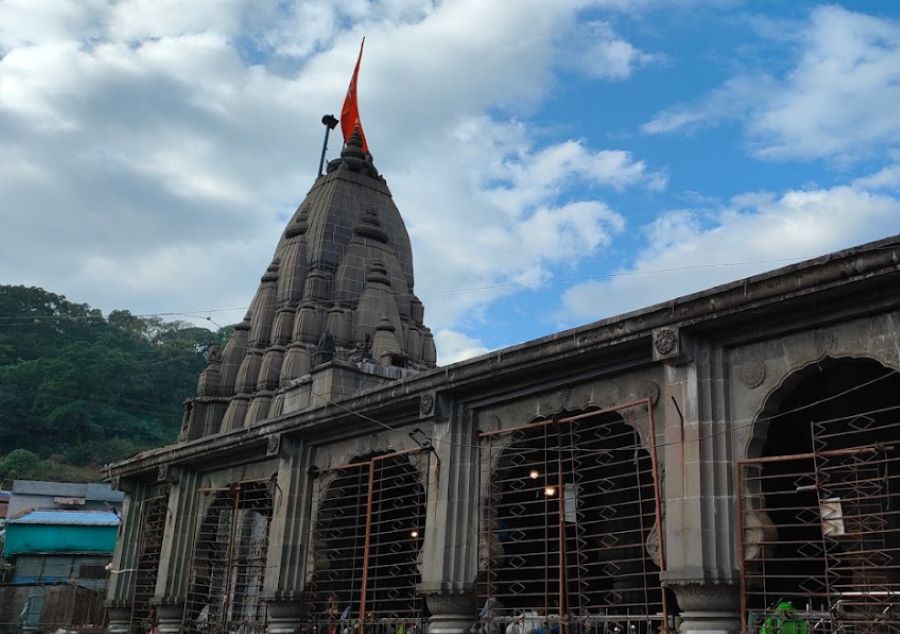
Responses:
[350,122]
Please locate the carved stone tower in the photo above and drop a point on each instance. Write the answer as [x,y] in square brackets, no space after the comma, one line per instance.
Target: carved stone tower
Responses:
[335,312]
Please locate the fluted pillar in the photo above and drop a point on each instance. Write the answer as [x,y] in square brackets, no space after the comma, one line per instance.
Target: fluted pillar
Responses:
[450,562]
[120,586]
[286,557]
[700,528]
[175,557]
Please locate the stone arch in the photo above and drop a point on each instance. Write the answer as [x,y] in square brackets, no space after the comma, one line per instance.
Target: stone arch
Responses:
[228,562]
[367,538]
[771,403]
[567,511]
[820,449]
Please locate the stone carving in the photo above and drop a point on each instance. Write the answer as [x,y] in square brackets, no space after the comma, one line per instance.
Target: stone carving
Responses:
[825,341]
[753,373]
[162,474]
[665,341]
[273,445]
[703,597]
[426,405]
[652,546]
[590,339]
[652,391]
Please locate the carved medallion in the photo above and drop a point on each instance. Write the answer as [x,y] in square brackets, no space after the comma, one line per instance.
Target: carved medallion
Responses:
[753,373]
[426,405]
[665,340]
[652,391]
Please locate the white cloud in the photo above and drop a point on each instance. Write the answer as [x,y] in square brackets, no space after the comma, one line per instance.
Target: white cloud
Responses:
[838,100]
[688,251]
[455,346]
[595,50]
[157,147]
[887,177]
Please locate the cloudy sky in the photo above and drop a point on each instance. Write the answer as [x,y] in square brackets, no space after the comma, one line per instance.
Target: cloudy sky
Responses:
[556,161]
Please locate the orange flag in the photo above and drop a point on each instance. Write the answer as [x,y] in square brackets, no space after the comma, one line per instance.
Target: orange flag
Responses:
[350,110]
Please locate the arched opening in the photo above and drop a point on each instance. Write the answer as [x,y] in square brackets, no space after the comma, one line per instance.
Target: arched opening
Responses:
[824,495]
[149,550]
[367,539]
[229,561]
[568,518]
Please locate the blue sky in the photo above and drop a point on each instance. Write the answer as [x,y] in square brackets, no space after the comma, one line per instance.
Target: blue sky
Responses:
[556,162]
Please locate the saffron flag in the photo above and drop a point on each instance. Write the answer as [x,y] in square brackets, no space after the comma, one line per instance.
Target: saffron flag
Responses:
[350,110]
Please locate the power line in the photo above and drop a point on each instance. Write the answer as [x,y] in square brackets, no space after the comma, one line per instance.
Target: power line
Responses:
[204,313]
[729,429]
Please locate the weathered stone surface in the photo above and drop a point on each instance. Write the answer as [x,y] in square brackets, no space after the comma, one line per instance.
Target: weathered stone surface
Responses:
[692,377]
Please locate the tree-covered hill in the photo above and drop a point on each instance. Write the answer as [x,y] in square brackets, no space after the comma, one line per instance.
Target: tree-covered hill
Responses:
[78,390]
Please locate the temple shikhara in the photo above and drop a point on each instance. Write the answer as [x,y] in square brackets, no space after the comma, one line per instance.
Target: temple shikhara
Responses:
[726,460]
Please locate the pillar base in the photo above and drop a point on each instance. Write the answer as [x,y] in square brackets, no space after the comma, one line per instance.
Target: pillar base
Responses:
[284,616]
[708,608]
[451,613]
[169,617]
[118,618]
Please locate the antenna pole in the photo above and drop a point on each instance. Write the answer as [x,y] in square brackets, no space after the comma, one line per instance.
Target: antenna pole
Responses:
[329,122]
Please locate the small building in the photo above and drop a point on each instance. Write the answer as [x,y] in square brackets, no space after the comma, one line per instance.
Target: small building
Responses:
[58,561]
[27,495]
[4,505]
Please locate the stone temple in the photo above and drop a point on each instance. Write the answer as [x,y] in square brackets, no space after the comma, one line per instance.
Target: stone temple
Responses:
[725,461]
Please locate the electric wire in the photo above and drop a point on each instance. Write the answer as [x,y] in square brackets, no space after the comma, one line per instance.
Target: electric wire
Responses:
[205,312]
[729,429]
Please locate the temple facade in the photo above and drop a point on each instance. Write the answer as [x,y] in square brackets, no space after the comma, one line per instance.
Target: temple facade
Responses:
[728,459]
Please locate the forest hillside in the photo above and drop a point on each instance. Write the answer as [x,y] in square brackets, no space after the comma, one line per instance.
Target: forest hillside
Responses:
[79,389]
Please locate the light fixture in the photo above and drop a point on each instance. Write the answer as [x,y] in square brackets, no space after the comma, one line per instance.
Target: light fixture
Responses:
[549,491]
[414,533]
[534,474]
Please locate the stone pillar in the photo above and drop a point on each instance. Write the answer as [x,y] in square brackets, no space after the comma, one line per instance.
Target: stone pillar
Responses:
[451,612]
[708,608]
[118,618]
[288,533]
[700,515]
[450,549]
[177,546]
[120,586]
[169,614]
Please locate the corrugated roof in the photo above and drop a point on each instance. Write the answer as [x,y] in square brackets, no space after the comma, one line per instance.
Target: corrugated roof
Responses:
[67,518]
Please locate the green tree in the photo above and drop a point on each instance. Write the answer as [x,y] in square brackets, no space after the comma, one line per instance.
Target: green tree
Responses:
[87,390]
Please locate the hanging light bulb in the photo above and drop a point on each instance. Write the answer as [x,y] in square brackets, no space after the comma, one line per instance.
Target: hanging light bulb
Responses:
[534,474]
[549,491]
[414,533]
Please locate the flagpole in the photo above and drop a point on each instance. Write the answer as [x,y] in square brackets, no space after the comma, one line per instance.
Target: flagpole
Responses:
[329,122]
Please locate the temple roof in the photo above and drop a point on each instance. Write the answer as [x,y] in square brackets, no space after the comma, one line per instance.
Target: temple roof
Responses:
[339,288]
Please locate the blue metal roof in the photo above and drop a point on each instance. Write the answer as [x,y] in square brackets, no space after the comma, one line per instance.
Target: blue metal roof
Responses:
[67,518]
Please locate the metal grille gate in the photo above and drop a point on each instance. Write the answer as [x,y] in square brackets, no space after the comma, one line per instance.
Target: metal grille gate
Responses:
[366,546]
[229,561]
[821,530]
[153,523]
[570,528]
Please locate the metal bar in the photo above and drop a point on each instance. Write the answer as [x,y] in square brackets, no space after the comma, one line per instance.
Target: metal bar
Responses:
[366,544]
[809,455]
[657,494]
[562,539]
[739,484]
[603,410]
[356,465]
